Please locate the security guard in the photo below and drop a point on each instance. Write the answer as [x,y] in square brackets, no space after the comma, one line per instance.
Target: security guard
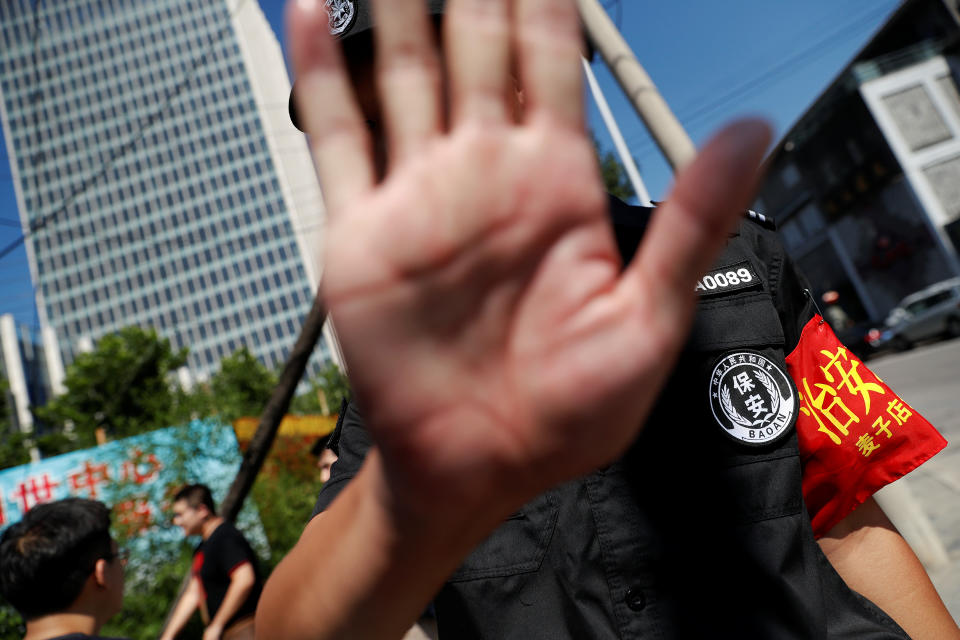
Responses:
[697,532]
[697,529]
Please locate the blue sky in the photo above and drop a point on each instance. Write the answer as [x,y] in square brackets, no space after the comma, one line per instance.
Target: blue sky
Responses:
[712,61]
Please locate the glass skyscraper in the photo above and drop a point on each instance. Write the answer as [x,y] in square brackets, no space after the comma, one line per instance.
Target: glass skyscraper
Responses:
[157,174]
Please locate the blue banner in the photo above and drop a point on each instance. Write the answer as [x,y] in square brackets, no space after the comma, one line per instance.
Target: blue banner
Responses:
[136,477]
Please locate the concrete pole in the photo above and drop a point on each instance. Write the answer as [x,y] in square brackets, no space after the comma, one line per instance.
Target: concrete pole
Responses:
[55,370]
[54,361]
[650,105]
[16,376]
[17,379]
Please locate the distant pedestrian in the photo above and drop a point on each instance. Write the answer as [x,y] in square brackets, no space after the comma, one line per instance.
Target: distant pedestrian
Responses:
[226,580]
[325,456]
[61,570]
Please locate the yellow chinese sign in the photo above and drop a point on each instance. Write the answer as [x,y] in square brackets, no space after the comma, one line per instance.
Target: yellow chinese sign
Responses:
[291,426]
[854,433]
[838,398]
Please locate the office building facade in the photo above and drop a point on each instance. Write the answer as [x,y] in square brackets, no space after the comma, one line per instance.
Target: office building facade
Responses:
[158,179]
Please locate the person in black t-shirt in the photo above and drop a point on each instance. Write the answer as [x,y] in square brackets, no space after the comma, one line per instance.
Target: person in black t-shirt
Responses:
[61,570]
[226,580]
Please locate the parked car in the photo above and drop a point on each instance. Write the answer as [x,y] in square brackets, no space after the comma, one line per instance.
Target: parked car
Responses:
[861,339]
[879,340]
[932,312]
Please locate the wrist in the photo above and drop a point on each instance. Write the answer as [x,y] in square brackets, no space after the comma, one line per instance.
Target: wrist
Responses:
[461,513]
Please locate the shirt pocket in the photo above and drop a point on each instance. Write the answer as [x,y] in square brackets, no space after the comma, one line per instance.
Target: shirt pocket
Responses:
[762,487]
[748,320]
[753,483]
[517,546]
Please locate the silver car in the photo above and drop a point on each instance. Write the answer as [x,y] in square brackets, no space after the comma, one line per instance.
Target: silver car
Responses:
[928,313]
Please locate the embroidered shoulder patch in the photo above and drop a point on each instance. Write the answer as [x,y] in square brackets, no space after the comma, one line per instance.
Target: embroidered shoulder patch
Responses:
[752,398]
[737,276]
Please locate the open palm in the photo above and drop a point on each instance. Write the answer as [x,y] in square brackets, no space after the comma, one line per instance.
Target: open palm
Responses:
[477,289]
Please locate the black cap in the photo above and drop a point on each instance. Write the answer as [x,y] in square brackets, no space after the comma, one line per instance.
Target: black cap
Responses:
[349,18]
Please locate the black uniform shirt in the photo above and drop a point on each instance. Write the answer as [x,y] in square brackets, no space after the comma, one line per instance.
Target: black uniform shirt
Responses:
[693,533]
[214,562]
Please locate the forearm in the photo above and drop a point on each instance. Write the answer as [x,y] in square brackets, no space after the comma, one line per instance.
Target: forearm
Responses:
[359,557]
[181,614]
[874,560]
[241,583]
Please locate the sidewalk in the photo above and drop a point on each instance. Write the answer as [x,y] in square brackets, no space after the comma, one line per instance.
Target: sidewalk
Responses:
[927,379]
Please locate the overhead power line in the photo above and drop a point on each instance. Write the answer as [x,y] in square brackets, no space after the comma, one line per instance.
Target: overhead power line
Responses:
[700,111]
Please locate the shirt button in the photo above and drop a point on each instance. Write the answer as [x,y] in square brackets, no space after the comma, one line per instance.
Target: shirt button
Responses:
[635,599]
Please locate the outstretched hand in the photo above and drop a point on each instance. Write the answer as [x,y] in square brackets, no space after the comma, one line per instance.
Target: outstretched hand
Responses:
[494,342]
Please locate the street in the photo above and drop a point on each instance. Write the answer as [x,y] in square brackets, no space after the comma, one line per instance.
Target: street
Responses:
[927,378]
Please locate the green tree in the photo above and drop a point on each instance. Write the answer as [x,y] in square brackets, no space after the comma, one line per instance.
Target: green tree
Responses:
[13,448]
[614,175]
[332,384]
[307,404]
[11,624]
[124,386]
[4,409]
[241,387]
[285,493]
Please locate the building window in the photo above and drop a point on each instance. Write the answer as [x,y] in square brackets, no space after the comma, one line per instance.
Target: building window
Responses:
[920,122]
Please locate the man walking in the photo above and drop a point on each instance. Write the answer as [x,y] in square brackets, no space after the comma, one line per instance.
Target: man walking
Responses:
[226,580]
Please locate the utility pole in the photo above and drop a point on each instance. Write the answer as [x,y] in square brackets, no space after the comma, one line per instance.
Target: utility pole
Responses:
[666,130]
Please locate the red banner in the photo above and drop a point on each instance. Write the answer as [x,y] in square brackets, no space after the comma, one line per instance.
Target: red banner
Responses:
[855,434]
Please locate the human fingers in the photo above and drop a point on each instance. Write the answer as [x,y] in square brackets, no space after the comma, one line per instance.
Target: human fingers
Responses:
[339,138]
[687,231]
[408,75]
[477,45]
[548,43]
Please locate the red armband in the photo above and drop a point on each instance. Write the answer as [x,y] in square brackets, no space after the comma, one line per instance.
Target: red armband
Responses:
[855,434]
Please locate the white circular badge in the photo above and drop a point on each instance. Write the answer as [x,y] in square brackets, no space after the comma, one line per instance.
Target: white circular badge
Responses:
[341,14]
[752,398]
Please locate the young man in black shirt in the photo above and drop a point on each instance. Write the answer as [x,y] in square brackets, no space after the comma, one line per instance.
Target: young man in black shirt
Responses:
[226,580]
[61,570]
